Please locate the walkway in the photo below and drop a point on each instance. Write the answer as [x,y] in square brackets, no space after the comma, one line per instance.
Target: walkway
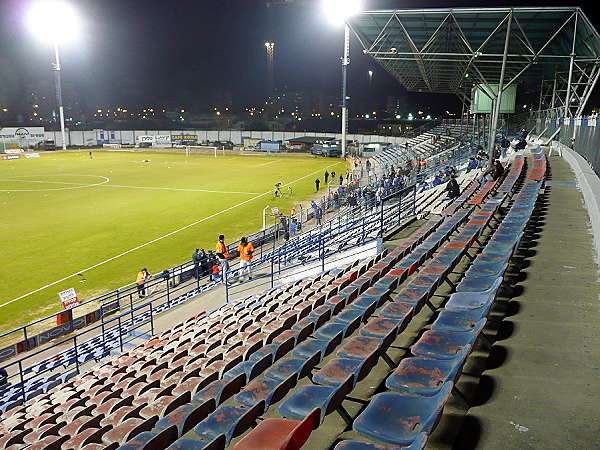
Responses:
[540,389]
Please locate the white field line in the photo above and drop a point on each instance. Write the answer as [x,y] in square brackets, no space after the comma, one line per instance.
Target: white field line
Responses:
[104,181]
[153,241]
[152,188]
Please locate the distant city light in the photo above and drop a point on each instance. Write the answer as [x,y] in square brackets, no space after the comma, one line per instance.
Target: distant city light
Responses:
[339,11]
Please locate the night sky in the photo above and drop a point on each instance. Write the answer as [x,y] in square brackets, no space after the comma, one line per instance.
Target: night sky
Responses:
[198,52]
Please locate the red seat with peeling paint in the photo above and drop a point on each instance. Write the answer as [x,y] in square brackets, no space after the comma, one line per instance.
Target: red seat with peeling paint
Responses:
[280,434]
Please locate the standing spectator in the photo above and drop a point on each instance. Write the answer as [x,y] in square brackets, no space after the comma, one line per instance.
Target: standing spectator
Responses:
[293,227]
[317,184]
[318,216]
[453,188]
[223,254]
[142,276]
[196,259]
[326,177]
[504,144]
[246,251]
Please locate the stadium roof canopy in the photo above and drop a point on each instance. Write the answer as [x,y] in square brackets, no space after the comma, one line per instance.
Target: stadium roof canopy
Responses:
[450,50]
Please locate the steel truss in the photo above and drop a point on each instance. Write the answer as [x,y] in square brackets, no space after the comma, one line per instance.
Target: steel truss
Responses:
[453,50]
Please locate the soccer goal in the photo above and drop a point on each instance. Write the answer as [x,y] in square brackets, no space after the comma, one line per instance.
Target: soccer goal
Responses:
[203,150]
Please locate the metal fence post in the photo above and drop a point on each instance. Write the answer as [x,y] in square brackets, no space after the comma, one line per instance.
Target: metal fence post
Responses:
[225,279]
[25,339]
[131,307]
[168,294]
[272,269]
[120,334]
[382,202]
[76,354]
[414,205]
[151,319]
[22,381]
[399,207]
[323,254]
[102,328]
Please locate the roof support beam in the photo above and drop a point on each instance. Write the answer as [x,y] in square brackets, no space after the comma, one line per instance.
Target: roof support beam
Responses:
[498,102]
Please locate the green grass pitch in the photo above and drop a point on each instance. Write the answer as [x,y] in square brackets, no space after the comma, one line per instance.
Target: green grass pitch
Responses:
[65,212]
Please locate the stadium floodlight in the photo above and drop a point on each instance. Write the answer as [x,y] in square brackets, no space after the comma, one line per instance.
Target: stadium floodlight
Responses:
[55,22]
[338,12]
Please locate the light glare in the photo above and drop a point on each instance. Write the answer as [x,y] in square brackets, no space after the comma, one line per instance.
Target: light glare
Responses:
[339,11]
[53,21]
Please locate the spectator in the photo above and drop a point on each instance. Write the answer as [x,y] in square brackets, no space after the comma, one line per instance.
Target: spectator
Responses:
[293,227]
[319,215]
[326,177]
[142,276]
[3,376]
[437,180]
[204,262]
[496,170]
[423,186]
[472,164]
[197,260]
[504,144]
[246,251]
[223,254]
[453,188]
[317,184]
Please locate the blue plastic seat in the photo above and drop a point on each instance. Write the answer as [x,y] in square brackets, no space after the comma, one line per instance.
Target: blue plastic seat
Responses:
[285,367]
[425,376]
[477,284]
[311,346]
[469,320]
[348,315]
[359,347]
[397,310]
[230,421]
[399,418]
[336,371]
[265,389]
[307,398]
[442,344]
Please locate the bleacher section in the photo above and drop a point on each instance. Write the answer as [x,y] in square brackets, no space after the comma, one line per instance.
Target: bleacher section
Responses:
[266,372]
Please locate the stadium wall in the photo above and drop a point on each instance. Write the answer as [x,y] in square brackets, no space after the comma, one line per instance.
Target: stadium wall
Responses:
[128,137]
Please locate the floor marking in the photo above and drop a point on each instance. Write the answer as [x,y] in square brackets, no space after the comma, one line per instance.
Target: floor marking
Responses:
[267,164]
[105,180]
[160,238]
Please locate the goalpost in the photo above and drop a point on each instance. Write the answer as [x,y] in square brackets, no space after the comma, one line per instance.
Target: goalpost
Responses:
[201,150]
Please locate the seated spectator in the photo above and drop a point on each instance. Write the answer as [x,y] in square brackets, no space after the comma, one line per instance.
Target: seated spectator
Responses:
[437,180]
[495,171]
[453,188]
[423,187]
[3,376]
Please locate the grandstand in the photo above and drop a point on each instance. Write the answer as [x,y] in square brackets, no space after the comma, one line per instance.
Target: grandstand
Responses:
[406,320]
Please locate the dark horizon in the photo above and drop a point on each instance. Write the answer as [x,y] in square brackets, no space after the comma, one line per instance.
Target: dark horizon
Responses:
[192,55]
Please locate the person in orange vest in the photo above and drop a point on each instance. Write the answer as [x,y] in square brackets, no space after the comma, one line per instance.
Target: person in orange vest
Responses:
[142,276]
[246,250]
[223,255]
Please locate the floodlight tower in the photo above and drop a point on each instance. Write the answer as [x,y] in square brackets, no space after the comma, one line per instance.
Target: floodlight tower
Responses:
[56,22]
[270,48]
[338,12]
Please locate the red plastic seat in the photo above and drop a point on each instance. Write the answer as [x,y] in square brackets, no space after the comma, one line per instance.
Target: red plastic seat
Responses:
[280,434]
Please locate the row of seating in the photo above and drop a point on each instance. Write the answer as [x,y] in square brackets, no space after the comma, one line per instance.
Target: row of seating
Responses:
[334,372]
[228,421]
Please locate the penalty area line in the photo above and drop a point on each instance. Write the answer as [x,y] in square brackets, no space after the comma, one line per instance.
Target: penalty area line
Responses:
[153,241]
